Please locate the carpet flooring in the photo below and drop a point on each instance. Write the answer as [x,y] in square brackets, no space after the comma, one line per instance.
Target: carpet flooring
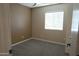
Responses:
[38,48]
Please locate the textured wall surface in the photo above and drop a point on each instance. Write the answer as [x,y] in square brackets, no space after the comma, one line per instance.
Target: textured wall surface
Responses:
[21,22]
[5,28]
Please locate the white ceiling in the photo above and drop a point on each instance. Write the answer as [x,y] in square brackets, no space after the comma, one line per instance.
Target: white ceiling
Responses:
[37,4]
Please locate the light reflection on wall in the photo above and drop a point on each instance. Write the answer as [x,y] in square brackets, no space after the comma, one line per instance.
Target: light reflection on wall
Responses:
[75,21]
[20,22]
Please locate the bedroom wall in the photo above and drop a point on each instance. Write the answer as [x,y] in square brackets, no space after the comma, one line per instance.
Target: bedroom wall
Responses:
[78,43]
[38,21]
[21,22]
[5,28]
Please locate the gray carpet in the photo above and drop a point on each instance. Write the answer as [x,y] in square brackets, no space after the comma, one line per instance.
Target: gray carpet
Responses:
[38,48]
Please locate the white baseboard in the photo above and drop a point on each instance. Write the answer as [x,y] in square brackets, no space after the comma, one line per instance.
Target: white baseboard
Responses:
[48,41]
[5,54]
[38,39]
[20,42]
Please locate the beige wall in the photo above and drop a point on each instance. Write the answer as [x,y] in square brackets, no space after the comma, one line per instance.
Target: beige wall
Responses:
[78,43]
[5,34]
[38,21]
[19,12]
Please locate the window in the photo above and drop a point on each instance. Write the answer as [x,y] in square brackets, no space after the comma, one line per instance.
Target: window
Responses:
[54,21]
[75,20]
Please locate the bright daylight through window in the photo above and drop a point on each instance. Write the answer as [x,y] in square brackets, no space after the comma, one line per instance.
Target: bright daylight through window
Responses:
[75,20]
[54,20]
